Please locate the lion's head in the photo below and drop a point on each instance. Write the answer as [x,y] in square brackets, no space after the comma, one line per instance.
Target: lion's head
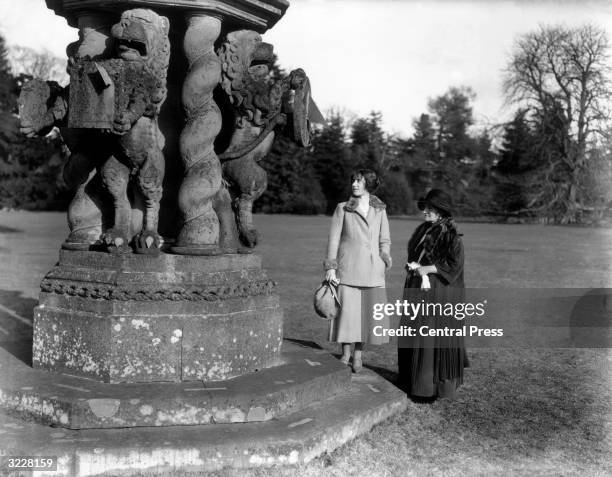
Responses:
[41,106]
[245,65]
[142,35]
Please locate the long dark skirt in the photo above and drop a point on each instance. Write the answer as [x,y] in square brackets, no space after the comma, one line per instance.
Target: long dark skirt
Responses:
[431,366]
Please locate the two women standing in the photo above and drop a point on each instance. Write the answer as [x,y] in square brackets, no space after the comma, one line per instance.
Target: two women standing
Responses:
[357,258]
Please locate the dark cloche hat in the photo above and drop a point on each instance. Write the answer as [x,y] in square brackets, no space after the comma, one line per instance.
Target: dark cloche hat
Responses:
[439,200]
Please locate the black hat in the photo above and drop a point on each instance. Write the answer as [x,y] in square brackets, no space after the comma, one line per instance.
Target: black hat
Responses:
[439,200]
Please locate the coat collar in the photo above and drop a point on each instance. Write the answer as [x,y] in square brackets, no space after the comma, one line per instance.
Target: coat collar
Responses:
[375,202]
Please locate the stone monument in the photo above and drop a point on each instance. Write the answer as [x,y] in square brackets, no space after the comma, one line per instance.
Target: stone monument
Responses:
[158,313]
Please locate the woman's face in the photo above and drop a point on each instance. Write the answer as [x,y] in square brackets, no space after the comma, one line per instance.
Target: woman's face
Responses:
[358,186]
[431,215]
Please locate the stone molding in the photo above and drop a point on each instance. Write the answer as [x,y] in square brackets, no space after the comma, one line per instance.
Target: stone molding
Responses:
[258,14]
[111,292]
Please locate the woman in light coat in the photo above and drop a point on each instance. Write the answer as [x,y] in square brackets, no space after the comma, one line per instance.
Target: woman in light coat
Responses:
[357,258]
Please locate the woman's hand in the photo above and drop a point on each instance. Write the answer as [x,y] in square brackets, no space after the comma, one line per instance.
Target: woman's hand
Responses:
[410,266]
[330,276]
[426,270]
[386,258]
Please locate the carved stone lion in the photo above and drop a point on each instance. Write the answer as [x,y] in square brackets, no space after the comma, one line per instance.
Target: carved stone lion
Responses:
[42,106]
[108,119]
[139,78]
[258,105]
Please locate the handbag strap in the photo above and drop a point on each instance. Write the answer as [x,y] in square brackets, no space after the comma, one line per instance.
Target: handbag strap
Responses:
[334,294]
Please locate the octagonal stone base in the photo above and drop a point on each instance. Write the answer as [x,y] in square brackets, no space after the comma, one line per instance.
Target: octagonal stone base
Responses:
[304,377]
[320,417]
[133,318]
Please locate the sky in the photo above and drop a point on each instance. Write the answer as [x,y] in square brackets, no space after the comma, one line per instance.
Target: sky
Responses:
[385,55]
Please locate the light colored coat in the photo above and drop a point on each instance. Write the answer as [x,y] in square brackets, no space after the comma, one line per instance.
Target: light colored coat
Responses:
[358,246]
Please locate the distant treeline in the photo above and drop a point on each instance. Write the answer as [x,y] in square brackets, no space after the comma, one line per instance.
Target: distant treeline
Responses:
[552,162]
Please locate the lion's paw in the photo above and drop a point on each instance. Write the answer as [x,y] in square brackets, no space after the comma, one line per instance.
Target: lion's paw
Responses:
[115,241]
[147,242]
[249,237]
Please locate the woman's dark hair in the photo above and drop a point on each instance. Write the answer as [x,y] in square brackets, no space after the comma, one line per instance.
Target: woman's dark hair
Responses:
[371,179]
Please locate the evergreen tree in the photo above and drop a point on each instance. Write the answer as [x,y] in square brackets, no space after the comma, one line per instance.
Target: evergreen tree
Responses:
[420,153]
[517,144]
[331,161]
[293,187]
[372,149]
[7,82]
[516,159]
[452,113]
[368,144]
[30,169]
[455,161]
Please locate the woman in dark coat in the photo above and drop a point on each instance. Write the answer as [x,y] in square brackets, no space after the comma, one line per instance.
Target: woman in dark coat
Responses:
[432,366]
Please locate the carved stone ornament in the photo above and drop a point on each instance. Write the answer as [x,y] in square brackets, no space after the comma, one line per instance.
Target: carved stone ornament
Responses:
[111,292]
[259,106]
[257,14]
[122,143]
[108,119]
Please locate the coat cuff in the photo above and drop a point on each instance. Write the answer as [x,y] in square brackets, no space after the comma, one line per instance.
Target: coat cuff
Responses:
[330,264]
[387,259]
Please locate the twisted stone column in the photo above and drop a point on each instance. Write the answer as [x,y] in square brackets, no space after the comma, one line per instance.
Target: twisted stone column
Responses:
[200,231]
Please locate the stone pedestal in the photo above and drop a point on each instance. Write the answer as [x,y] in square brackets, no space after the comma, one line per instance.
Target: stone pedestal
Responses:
[279,416]
[132,318]
[173,362]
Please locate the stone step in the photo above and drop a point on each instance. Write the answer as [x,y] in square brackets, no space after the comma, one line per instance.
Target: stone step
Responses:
[304,375]
[291,439]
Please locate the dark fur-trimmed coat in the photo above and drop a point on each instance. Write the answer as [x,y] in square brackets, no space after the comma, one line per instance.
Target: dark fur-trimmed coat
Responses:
[425,363]
[437,244]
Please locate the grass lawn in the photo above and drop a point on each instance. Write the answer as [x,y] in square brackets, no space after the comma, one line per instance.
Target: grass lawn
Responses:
[520,412]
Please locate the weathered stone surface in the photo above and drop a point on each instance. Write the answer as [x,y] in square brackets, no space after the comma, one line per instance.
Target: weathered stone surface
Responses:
[303,376]
[146,133]
[246,64]
[258,14]
[129,318]
[295,438]
[118,92]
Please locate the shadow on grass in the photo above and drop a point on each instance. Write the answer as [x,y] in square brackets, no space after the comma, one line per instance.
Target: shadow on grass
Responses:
[9,230]
[525,402]
[16,312]
[305,343]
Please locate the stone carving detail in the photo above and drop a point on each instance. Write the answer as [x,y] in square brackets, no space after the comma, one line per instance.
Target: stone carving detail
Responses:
[109,115]
[109,292]
[44,104]
[258,106]
[138,76]
[108,118]
[200,230]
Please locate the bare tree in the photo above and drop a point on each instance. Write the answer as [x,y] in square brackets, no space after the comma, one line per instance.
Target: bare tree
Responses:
[561,76]
[30,63]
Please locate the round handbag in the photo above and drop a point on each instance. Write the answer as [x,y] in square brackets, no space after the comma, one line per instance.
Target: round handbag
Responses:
[326,301]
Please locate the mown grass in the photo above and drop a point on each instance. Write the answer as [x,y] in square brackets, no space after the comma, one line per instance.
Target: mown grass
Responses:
[520,412]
